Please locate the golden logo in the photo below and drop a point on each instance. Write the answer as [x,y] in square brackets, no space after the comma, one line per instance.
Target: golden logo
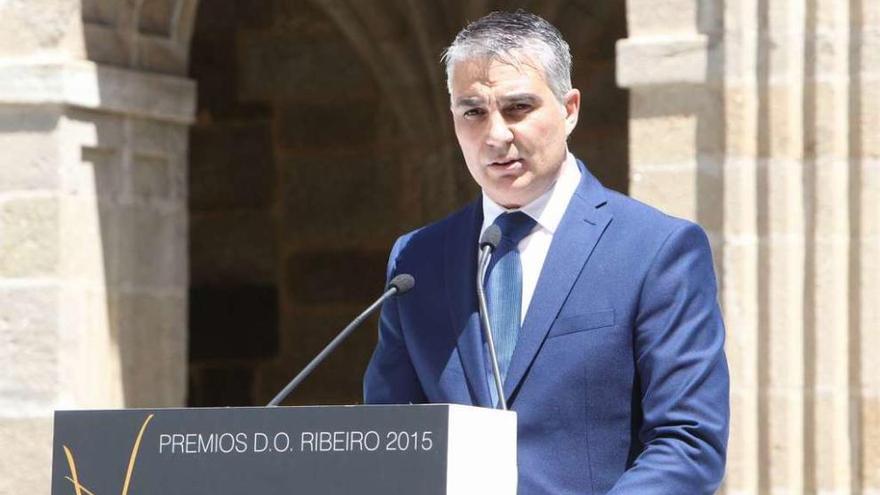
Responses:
[80,489]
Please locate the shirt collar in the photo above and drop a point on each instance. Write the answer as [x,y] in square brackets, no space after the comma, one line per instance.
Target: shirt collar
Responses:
[547,209]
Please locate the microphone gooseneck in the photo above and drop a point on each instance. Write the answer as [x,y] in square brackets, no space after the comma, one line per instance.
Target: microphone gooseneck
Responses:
[398,285]
[488,242]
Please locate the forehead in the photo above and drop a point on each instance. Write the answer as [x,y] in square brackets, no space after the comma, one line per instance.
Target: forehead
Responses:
[480,75]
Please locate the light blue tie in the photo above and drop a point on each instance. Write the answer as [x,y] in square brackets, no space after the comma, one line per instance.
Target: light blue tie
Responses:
[504,290]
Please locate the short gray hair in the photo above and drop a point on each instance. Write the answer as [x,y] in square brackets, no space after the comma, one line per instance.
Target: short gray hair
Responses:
[497,35]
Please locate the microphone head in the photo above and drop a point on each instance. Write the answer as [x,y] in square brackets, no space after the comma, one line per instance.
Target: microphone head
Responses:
[491,237]
[402,282]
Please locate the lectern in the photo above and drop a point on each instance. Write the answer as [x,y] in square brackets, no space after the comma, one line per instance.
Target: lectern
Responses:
[414,449]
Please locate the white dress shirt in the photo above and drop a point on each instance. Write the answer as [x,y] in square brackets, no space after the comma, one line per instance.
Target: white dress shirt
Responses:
[547,210]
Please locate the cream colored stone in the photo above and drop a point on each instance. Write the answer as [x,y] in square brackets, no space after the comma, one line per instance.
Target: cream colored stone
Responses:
[783,123]
[663,17]
[29,244]
[41,28]
[785,439]
[90,369]
[26,456]
[30,151]
[666,60]
[870,442]
[89,85]
[868,121]
[29,348]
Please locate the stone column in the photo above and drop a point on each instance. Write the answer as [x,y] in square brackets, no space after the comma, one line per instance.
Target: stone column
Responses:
[93,216]
[775,103]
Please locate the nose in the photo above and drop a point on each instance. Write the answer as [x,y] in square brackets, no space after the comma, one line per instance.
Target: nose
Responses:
[500,135]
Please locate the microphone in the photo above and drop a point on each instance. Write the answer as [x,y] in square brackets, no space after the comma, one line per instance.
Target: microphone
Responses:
[488,242]
[398,285]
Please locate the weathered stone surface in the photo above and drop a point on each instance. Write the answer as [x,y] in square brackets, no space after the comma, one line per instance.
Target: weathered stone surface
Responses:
[152,247]
[26,456]
[39,28]
[28,348]
[152,335]
[30,152]
[687,59]
[30,244]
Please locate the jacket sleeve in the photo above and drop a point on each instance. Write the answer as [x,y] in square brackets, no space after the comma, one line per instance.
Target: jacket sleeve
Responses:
[682,370]
[390,377]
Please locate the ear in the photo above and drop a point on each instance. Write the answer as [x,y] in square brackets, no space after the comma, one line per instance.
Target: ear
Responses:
[572,103]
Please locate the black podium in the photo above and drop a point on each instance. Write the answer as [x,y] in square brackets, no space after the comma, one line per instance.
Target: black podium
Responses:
[416,449]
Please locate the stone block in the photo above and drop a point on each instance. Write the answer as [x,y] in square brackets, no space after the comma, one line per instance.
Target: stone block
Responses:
[26,458]
[665,17]
[672,124]
[157,138]
[90,374]
[30,244]
[233,322]
[40,28]
[30,147]
[29,348]
[152,339]
[151,251]
[870,441]
[290,66]
[342,200]
[151,177]
[335,277]
[157,18]
[162,55]
[868,122]
[105,44]
[687,59]
[231,166]
[234,248]
[341,124]
[86,238]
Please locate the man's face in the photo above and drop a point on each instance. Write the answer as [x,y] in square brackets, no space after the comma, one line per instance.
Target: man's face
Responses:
[511,127]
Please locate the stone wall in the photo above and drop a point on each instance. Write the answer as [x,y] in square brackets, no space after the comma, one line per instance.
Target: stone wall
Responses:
[760,120]
[323,133]
[93,221]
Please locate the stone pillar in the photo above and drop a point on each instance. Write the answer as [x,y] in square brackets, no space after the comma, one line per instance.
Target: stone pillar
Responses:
[93,216]
[768,110]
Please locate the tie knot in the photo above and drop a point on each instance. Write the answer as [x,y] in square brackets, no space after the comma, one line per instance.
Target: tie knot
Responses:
[514,226]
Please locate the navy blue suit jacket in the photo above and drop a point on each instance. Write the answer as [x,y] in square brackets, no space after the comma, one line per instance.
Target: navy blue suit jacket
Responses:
[619,378]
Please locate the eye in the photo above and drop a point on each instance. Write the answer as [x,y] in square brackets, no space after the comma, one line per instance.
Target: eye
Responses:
[474,112]
[519,108]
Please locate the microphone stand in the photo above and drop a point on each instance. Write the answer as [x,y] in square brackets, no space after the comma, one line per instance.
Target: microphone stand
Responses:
[487,246]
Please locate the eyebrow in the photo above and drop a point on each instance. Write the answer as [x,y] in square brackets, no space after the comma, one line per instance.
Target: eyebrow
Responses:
[476,101]
[520,98]
[470,101]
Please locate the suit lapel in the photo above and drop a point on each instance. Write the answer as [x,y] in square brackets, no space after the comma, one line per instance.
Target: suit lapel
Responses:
[578,232]
[460,272]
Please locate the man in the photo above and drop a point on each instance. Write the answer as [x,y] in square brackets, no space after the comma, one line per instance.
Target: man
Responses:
[604,310]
